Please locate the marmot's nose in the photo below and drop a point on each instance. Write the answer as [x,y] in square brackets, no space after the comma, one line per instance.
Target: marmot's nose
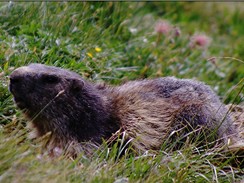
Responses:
[14,79]
[15,82]
[17,78]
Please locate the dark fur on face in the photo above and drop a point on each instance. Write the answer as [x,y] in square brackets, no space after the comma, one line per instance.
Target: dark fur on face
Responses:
[74,110]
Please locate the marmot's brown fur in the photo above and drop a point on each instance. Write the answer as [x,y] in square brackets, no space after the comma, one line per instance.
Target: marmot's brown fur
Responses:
[76,111]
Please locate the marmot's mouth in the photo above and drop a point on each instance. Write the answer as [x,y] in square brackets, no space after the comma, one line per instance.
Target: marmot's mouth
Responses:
[20,104]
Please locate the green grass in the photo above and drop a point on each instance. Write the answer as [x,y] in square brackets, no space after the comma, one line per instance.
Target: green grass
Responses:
[68,35]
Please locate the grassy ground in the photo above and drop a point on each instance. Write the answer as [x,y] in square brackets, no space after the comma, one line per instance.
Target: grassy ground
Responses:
[115,42]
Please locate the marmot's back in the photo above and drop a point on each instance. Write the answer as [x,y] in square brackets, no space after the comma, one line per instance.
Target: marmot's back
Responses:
[151,110]
[76,111]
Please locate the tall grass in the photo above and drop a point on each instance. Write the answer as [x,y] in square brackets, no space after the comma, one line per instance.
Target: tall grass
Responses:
[114,42]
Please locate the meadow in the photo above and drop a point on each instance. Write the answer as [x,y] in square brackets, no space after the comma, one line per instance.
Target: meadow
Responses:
[115,42]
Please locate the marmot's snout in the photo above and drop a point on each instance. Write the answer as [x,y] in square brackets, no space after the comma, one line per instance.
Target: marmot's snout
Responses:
[19,86]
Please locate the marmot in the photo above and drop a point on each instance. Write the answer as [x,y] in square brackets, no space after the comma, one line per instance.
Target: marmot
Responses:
[76,111]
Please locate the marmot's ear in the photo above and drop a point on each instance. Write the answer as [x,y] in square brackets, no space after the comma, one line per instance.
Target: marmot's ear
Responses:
[76,85]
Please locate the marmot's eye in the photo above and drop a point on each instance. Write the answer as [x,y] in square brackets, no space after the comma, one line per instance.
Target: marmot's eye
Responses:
[51,79]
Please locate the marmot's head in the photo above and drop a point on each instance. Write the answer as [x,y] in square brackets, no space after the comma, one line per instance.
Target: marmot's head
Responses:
[60,101]
[36,86]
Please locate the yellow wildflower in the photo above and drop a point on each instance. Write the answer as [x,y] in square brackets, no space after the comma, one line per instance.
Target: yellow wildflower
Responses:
[98,49]
[89,55]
